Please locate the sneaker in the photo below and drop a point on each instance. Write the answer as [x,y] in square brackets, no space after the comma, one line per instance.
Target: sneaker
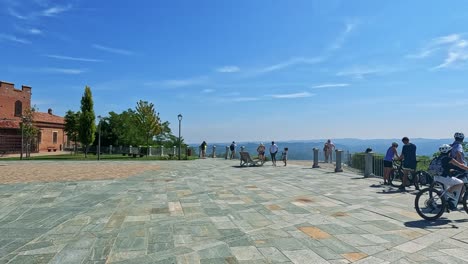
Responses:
[402,189]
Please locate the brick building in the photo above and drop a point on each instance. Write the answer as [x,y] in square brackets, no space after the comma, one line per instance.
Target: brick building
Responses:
[13,103]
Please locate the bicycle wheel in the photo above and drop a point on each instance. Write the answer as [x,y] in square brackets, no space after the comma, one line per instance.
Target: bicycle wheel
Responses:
[396,178]
[429,204]
[465,205]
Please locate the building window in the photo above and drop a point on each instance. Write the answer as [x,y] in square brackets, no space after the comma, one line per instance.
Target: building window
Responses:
[18,108]
[54,137]
[39,137]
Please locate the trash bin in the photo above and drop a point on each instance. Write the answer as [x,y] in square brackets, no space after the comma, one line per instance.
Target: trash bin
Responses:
[189,152]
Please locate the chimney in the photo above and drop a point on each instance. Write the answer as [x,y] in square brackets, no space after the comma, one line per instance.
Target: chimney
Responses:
[49,111]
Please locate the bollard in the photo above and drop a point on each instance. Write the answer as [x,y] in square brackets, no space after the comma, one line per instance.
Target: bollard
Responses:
[316,154]
[227,152]
[174,148]
[130,149]
[338,154]
[214,152]
[368,169]
[110,149]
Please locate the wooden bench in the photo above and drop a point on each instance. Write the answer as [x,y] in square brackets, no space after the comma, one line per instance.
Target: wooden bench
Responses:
[246,160]
[49,149]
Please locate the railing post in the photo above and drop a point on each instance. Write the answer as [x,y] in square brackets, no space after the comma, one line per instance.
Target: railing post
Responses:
[227,152]
[174,148]
[214,152]
[338,154]
[130,149]
[368,165]
[110,149]
[316,154]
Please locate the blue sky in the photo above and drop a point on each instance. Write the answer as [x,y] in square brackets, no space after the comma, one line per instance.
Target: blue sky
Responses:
[249,70]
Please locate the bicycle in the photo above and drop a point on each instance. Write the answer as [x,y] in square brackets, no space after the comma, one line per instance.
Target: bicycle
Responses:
[396,176]
[430,203]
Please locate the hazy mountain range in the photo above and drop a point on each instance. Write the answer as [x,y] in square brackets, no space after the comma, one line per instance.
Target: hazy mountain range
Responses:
[302,149]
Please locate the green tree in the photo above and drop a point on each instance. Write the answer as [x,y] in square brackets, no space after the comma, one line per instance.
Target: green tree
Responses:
[148,120]
[72,121]
[87,126]
[166,138]
[123,129]
[29,130]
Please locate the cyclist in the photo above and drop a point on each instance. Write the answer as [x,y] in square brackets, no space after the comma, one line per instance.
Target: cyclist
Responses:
[457,148]
[388,161]
[408,155]
[452,184]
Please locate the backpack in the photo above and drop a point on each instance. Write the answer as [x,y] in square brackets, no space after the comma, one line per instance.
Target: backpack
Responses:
[425,178]
[435,167]
[232,147]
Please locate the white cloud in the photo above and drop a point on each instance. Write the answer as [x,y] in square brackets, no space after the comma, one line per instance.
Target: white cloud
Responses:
[59,57]
[452,58]
[52,11]
[208,90]
[244,99]
[358,72]
[177,83]
[349,27]
[228,69]
[445,39]
[422,54]
[329,85]
[63,70]
[35,31]
[112,50]
[289,63]
[15,14]
[292,95]
[14,39]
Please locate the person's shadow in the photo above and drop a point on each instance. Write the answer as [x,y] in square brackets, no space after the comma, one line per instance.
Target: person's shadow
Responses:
[436,224]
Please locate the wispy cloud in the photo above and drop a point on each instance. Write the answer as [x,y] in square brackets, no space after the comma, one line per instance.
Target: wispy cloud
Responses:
[14,39]
[208,90]
[289,63]
[177,83]
[112,50]
[228,69]
[349,27]
[55,10]
[330,85]
[454,45]
[15,14]
[359,72]
[35,31]
[244,99]
[60,57]
[292,95]
[63,70]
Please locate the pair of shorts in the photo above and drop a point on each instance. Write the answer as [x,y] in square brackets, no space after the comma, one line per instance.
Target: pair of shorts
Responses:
[261,153]
[448,181]
[387,164]
[409,166]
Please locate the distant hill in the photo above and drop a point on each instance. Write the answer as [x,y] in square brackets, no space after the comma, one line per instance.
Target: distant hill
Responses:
[302,149]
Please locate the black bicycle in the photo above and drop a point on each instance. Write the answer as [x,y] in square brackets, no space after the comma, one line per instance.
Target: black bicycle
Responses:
[430,203]
[396,176]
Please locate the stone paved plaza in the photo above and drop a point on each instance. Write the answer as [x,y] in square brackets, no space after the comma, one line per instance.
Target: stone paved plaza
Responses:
[210,211]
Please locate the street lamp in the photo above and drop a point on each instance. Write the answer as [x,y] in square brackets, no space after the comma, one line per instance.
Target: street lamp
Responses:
[99,138]
[22,138]
[180,119]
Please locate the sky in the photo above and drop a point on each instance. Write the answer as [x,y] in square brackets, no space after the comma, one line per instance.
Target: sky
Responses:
[249,70]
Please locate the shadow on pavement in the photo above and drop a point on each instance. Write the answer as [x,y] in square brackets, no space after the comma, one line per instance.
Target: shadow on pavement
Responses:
[443,223]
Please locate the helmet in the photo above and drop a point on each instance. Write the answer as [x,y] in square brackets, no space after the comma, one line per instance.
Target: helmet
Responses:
[394,144]
[445,148]
[459,135]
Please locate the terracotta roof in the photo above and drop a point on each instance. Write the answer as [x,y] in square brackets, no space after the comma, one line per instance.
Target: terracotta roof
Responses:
[48,118]
[9,123]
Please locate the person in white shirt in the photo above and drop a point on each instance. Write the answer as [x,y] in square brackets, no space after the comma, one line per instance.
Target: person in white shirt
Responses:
[273,151]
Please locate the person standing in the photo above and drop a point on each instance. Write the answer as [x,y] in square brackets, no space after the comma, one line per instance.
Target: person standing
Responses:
[457,148]
[284,156]
[328,150]
[203,147]
[261,152]
[392,153]
[273,151]
[408,155]
[232,148]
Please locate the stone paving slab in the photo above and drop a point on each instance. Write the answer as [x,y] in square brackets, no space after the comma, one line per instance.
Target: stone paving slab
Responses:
[212,211]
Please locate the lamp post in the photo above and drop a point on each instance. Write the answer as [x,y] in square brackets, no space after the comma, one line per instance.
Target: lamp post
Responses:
[99,138]
[180,120]
[22,138]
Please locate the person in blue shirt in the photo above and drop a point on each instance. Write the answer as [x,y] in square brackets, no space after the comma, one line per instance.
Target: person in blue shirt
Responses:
[388,161]
[457,148]
[408,155]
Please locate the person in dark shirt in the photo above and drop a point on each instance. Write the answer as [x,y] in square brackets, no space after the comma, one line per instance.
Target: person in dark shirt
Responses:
[408,155]
[452,184]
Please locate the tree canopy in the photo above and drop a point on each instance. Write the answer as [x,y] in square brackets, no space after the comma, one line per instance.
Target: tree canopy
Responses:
[87,126]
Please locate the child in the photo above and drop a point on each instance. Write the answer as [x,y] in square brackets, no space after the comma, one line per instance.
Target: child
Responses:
[284,156]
